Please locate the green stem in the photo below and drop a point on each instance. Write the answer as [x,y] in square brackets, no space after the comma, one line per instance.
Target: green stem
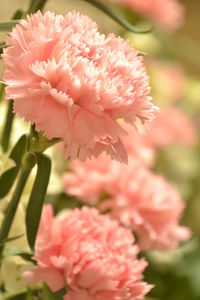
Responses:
[2,45]
[7,127]
[2,89]
[7,26]
[36,5]
[115,16]
[28,163]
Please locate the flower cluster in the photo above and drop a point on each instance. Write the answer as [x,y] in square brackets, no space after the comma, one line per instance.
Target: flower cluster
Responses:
[74,83]
[134,196]
[89,253]
[150,206]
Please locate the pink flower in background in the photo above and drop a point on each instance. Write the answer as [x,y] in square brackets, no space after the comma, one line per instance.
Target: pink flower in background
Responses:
[89,180]
[167,14]
[74,83]
[150,206]
[137,148]
[89,253]
[134,196]
[173,78]
[169,127]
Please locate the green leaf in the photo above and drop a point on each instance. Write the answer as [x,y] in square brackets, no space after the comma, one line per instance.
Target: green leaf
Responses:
[19,252]
[7,179]
[7,26]
[47,294]
[39,142]
[2,45]
[10,239]
[29,295]
[18,14]
[6,132]
[118,18]
[37,197]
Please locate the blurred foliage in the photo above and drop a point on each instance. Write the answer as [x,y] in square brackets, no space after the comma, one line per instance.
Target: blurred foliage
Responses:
[179,280]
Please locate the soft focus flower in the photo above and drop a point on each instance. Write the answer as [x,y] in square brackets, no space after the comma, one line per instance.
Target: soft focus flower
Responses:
[150,206]
[137,148]
[12,268]
[74,83]
[169,127]
[167,80]
[89,180]
[167,14]
[89,253]
[134,196]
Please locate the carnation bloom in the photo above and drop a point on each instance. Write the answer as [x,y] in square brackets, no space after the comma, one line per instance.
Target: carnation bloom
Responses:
[167,14]
[91,179]
[138,150]
[74,83]
[89,253]
[150,206]
[134,196]
[171,126]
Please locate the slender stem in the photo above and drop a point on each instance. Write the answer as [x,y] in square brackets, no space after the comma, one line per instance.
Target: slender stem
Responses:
[2,45]
[36,5]
[115,16]
[7,26]
[2,89]
[5,140]
[27,165]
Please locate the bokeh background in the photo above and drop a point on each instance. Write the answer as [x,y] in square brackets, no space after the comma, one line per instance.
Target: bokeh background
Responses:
[176,274]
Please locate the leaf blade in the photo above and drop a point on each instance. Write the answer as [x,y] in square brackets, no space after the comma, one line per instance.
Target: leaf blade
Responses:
[10,239]
[37,196]
[7,179]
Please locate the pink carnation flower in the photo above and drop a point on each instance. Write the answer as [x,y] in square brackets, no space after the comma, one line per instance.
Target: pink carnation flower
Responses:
[74,83]
[89,253]
[167,14]
[171,126]
[150,206]
[134,196]
[89,180]
[137,148]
